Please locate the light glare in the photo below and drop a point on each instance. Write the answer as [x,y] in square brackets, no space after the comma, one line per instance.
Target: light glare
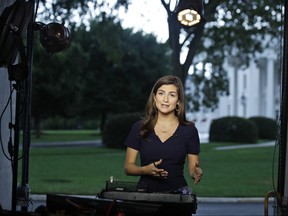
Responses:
[189,17]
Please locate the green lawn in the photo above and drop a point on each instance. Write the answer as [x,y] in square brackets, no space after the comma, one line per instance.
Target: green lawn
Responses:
[227,173]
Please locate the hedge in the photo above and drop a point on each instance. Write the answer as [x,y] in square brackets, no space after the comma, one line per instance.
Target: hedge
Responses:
[233,129]
[116,129]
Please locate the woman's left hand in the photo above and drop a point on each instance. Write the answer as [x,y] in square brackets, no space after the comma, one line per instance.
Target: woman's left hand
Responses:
[197,175]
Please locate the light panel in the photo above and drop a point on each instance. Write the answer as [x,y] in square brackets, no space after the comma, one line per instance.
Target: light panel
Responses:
[189,17]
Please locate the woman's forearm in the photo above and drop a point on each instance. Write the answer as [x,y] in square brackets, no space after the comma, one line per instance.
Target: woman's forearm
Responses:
[133,169]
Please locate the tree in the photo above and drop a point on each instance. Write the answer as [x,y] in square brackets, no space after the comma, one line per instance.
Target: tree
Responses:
[231,30]
[123,66]
[69,10]
[56,82]
[106,70]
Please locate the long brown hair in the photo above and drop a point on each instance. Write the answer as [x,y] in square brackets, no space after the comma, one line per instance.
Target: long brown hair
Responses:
[150,117]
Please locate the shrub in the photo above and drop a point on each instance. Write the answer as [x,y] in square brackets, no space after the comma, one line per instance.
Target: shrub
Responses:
[233,129]
[267,127]
[116,129]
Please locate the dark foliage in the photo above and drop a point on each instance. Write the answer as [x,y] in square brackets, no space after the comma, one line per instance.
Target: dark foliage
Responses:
[233,129]
[117,128]
[267,127]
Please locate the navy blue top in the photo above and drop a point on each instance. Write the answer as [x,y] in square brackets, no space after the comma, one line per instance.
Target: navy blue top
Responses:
[173,153]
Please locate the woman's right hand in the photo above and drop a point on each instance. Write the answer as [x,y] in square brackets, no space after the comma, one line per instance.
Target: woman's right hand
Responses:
[153,170]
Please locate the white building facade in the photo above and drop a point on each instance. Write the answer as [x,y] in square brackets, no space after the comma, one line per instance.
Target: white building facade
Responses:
[254,91]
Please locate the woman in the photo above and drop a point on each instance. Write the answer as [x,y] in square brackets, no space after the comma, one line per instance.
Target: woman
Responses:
[164,139]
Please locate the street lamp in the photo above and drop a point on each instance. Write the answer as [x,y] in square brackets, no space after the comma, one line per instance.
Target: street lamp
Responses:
[243,102]
[189,12]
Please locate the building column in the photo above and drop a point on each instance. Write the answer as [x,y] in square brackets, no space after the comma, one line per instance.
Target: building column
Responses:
[262,65]
[270,100]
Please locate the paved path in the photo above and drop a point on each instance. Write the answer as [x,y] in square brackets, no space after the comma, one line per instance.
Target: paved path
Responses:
[96,143]
[268,144]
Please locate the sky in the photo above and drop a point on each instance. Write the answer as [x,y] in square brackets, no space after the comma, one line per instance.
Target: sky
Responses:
[147,15]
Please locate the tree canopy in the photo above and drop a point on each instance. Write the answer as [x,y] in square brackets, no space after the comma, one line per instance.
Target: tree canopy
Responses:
[106,70]
[233,29]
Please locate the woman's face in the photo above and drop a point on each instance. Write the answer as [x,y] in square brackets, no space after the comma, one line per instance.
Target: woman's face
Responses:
[166,98]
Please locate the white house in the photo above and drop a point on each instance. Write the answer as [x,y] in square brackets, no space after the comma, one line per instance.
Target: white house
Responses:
[254,91]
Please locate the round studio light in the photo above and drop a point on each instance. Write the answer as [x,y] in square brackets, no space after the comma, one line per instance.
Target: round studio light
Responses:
[189,17]
[189,13]
[54,37]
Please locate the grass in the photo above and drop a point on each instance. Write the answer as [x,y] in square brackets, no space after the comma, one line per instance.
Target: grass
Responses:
[227,173]
[237,172]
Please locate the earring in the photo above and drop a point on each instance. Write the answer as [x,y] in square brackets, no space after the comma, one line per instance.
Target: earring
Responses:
[177,108]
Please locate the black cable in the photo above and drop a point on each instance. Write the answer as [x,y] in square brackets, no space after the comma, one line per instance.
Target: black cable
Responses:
[11,126]
[277,142]
[9,101]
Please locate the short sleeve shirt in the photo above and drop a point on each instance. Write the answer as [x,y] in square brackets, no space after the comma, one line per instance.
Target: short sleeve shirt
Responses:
[173,153]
